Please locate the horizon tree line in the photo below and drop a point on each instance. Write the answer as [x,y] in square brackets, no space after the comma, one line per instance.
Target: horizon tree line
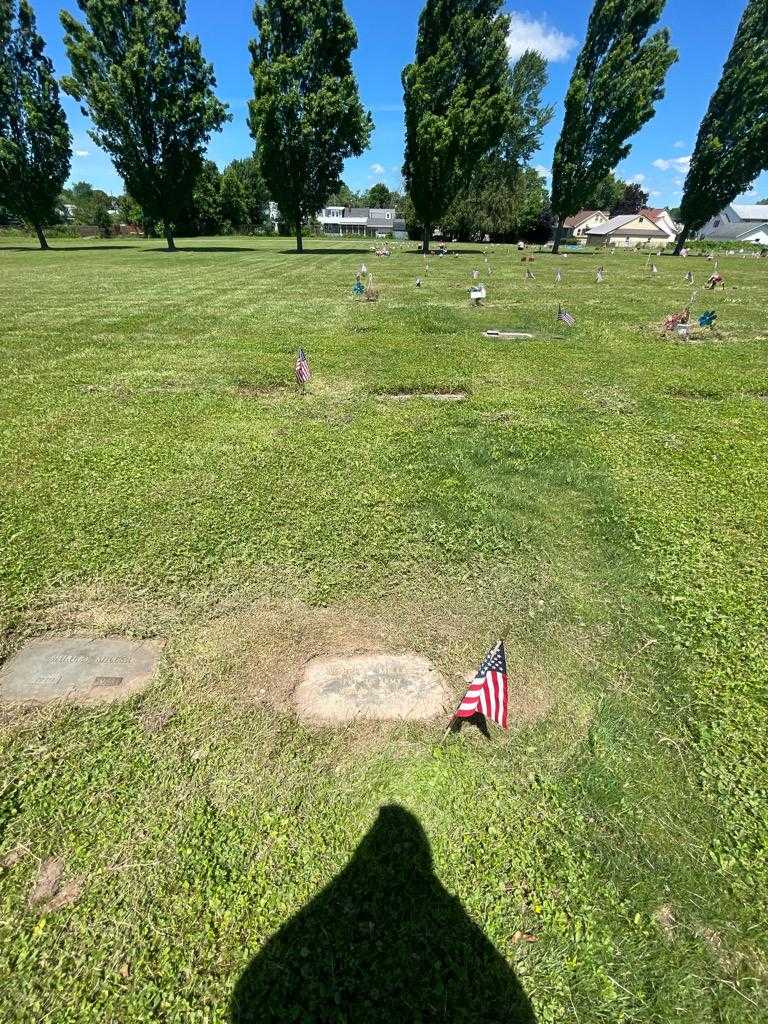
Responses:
[472,120]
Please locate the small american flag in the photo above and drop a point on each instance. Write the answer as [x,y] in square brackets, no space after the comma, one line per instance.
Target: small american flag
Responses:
[302,367]
[565,317]
[488,692]
[558,277]
[529,275]
[600,275]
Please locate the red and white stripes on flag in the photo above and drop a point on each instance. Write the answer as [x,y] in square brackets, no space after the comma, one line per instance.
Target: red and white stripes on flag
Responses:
[488,692]
[302,367]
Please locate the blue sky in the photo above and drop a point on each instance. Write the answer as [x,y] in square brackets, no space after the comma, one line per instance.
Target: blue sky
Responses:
[702,30]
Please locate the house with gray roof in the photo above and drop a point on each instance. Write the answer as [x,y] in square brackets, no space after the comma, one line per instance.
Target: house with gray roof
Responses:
[738,222]
[370,222]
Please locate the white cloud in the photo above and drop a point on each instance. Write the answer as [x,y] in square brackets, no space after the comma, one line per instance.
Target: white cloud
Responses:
[655,194]
[544,171]
[526,33]
[81,152]
[638,179]
[676,163]
[680,144]
[378,169]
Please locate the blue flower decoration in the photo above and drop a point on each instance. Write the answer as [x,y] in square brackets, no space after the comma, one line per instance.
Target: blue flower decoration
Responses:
[707,319]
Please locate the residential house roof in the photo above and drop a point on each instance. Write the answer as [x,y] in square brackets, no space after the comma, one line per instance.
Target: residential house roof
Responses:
[753,213]
[580,217]
[622,222]
[736,232]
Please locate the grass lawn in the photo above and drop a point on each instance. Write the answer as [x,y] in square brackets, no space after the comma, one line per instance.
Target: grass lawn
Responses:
[602,488]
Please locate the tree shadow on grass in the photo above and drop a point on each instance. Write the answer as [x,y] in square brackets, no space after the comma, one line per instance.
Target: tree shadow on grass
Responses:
[165,251]
[308,251]
[64,248]
[384,943]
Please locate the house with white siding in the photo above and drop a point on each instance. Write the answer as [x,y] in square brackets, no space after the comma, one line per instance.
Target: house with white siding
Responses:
[368,221]
[738,223]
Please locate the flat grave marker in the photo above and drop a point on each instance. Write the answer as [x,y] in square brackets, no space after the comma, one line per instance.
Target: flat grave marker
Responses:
[79,668]
[373,686]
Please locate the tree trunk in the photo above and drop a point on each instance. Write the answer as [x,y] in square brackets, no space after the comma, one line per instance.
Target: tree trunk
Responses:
[680,240]
[41,237]
[299,237]
[169,240]
[427,238]
[558,232]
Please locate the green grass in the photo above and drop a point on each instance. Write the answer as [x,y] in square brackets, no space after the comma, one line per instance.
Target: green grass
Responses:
[604,491]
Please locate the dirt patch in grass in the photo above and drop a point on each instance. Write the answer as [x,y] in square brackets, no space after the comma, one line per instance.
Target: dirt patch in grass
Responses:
[49,891]
[12,858]
[666,920]
[154,721]
[260,654]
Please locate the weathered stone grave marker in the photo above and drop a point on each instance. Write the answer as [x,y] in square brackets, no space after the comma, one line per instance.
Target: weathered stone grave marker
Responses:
[77,668]
[373,686]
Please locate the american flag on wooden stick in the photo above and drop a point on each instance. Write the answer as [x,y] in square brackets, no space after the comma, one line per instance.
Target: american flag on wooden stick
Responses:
[565,317]
[302,367]
[488,692]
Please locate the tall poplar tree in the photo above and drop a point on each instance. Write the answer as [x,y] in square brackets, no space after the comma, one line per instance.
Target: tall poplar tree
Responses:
[457,95]
[306,116]
[618,78]
[732,144]
[35,144]
[149,92]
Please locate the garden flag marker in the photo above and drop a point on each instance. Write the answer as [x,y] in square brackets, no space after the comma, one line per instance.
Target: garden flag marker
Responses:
[302,368]
[488,693]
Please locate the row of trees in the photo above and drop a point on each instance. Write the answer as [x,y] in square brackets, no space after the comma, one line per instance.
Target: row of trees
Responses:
[472,121]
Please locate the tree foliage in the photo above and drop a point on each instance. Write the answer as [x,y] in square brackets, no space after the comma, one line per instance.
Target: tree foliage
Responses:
[632,200]
[149,92]
[732,144]
[35,144]
[505,202]
[223,203]
[606,194]
[457,98]
[244,196]
[504,198]
[379,196]
[526,116]
[618,78]
[306,115]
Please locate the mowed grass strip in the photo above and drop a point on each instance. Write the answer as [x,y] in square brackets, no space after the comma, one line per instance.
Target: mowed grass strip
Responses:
[600,488]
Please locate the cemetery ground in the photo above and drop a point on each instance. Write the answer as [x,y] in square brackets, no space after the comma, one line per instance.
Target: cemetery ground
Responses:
[601,490]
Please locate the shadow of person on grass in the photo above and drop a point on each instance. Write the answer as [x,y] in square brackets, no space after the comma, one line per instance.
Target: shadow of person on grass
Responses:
[384,943]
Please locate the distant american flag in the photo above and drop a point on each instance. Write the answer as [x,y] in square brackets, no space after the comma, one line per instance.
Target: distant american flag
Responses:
[565,317]
[489,693]
[302,367]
